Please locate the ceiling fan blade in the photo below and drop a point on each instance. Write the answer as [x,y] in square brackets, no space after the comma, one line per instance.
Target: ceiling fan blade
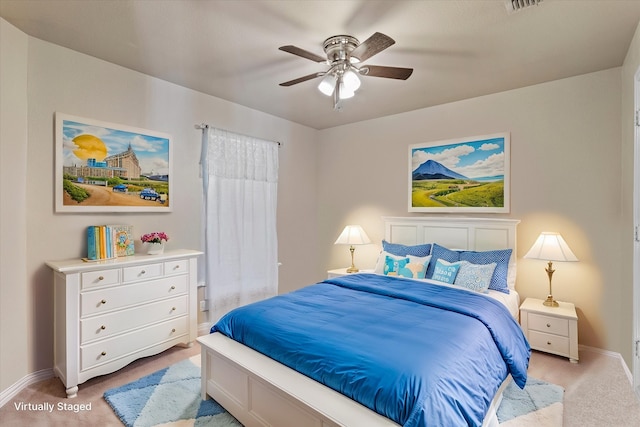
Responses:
[374,44]
[303,53]
[388,72]
[302,79]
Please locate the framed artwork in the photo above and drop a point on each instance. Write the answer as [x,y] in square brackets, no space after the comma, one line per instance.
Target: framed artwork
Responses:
[460,175]
[106,167]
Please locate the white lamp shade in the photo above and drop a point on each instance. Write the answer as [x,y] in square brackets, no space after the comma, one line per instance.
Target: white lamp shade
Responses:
[353,235]
[351,81]
[328,84]
[551,247]
[345,93]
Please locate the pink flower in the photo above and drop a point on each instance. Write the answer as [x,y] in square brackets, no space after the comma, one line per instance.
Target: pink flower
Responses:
[155,237]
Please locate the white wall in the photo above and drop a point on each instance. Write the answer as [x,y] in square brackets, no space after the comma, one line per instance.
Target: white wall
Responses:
[15,300]
[61,80]
[565,162]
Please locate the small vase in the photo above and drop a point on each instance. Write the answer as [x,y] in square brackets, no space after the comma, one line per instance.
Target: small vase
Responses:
[155,248]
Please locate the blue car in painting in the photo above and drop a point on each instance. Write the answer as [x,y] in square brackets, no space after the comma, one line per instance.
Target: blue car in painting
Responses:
[149,194]
[120,187]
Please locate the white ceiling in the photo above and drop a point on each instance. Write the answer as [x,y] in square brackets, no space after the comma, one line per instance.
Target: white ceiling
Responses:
[229,49]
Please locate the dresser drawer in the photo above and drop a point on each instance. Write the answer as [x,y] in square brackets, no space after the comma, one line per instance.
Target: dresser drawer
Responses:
[109,299]
[112,348]
[106,325]
[141,272]
[176,267]
[549,342]
[92,279]
[551,325]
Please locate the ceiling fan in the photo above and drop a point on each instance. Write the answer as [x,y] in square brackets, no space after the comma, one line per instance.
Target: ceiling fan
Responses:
[344,56]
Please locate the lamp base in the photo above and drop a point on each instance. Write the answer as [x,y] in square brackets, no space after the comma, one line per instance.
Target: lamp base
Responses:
[352,269]
[550,302]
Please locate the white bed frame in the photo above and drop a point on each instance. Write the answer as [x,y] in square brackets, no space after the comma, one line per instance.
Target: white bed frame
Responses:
[261,392]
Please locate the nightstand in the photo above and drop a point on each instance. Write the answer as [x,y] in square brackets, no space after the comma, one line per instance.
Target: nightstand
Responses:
[342,272]
[551,329]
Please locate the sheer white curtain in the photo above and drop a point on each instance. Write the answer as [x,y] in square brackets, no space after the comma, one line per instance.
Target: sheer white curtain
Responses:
[240,177]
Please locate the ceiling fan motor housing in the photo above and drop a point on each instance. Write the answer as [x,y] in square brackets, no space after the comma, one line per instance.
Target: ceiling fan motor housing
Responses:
[339,47]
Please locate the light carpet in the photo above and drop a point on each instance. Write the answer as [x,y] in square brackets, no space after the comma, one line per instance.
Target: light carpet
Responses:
[171,398]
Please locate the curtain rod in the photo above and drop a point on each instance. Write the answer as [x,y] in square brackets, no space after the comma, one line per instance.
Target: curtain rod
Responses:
[203,126]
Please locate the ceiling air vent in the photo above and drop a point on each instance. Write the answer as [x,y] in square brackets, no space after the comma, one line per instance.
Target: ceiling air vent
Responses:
[516,5]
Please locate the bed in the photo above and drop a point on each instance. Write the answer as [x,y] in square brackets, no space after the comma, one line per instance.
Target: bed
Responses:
[340,380]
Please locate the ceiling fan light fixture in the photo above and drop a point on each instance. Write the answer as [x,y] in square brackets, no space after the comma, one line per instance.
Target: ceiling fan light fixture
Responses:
[351,81]
[327,84]
[345,92]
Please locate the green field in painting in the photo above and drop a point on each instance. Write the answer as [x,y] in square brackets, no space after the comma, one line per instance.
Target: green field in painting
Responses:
[457,193]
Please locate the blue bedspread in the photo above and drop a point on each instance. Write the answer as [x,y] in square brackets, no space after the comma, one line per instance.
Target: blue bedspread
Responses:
[419,354]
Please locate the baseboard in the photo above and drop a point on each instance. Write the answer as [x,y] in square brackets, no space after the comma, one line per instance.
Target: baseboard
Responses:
[610,354]
[204,329]
[26,381]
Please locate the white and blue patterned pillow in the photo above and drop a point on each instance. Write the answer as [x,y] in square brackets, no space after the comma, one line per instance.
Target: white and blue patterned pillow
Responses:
[475,277]
[445,272]
[403,250]
[500,257]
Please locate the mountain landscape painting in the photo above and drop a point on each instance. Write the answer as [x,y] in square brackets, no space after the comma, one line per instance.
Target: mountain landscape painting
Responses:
[463,175]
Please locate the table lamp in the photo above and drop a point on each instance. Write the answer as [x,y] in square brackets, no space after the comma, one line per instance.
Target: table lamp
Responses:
[353,235]
[550,247]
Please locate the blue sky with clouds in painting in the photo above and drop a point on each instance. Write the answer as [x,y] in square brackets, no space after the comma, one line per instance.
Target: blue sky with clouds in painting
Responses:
[474,159]
[152,151]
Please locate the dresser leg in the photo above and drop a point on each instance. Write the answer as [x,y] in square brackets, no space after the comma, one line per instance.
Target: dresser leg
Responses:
[72,392]
[573,360]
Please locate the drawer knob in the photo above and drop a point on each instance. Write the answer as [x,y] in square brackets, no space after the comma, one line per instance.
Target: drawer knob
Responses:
[101,278]
[143,272]
[104,301]
[103,327]
[173,309]
[548,325]
[173,330]
[104,353]
[548,342]
[177,267]
[172,287]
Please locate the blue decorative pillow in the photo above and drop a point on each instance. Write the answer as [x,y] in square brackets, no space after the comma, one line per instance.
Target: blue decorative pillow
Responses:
[475,277]
[417,267]
[393,266]
[500,257]
[440,252]
[445,271]
[403,250]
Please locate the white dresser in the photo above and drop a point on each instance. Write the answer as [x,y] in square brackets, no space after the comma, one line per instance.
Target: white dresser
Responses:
[110,313]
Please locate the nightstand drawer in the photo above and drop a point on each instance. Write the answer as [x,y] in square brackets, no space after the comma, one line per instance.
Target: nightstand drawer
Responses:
[547,324]
[549,342]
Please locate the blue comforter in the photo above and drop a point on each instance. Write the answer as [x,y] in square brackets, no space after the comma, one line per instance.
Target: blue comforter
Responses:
[419,354]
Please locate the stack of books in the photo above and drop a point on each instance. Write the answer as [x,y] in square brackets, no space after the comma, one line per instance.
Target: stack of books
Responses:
[109,241]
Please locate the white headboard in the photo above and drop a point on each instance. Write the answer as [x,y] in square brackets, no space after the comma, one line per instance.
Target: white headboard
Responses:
[473,234]
[477,234]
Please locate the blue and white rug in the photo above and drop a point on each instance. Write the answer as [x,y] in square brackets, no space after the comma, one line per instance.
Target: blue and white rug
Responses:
[538,404]
[171,398]
[168,397]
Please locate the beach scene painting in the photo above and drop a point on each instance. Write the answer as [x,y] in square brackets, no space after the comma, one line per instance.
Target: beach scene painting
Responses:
[106,167]
[461,175]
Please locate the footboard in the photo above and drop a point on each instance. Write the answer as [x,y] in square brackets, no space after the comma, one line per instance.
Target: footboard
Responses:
[261,392]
